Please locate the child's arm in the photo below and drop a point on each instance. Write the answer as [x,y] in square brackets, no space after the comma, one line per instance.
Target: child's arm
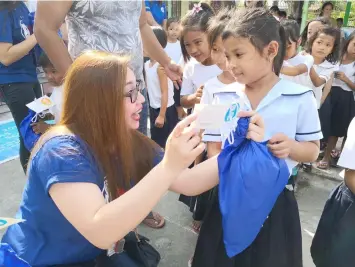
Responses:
[40,127]
[163,81]
[294,70]
[213,149]
[326,89]
[316,79]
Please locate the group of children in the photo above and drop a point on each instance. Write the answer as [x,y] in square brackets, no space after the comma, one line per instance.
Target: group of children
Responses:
[244,53]
[223,54]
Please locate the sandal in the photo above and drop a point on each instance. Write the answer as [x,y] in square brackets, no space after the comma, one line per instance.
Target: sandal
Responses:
[323,165]
[196,226]
[154,220]
[335,154]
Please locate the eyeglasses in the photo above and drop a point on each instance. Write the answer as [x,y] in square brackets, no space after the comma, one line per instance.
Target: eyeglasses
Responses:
[133,94]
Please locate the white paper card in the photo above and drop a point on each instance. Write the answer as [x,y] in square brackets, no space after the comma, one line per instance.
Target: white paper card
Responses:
[6,222]
[41,104]
[215,116]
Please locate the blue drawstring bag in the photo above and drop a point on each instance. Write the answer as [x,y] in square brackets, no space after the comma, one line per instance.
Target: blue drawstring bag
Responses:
[250,181]
[8,257]
[30,138]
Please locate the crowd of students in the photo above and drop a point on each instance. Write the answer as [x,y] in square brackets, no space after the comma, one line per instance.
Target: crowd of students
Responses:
[87,172]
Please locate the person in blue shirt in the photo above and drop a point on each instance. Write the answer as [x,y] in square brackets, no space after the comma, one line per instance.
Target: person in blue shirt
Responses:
[18,78]
[156,12]
[79,199]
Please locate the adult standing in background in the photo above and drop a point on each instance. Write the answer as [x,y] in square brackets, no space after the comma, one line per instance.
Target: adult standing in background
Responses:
[326,11]
[18,77]
[156,13]
[111,26]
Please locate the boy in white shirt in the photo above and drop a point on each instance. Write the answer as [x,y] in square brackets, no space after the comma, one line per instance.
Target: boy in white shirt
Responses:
[162,113]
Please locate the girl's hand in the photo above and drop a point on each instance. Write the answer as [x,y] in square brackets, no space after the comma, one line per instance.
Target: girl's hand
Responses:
[280,145]
[340,75]
[183,145]
[198,94]
[256,131]
[159,122]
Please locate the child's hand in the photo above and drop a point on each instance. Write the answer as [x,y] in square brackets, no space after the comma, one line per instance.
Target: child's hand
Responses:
[40,127]
[159,122]
[280,145]
[340,75]
[256,130]
[198,94]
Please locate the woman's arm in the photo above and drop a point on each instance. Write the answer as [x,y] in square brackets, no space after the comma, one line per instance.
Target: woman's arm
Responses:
[10,53]
[199,179]
[49,18]
[316,80]
[294,70]
[150,19]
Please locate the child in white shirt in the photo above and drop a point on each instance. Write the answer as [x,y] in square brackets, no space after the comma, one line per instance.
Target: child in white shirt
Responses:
[163,114]
[55,79]
[173,48]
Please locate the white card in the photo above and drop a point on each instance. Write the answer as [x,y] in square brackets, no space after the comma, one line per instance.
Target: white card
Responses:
[41,104]
[6,222]
[215,116]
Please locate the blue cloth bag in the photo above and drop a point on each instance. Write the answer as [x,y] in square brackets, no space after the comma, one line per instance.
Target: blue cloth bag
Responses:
[30,138]
[9,258]
[250,181]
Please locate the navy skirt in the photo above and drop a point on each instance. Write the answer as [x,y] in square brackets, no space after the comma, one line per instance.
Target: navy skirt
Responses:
[334,242]
[278,244]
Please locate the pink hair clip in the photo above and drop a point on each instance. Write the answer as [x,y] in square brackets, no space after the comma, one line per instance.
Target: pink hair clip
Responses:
[197,8]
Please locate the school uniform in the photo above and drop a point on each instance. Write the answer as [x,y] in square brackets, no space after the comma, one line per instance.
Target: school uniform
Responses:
[290,109]
[342,100]
[57,98]
[334,241]
[159,135]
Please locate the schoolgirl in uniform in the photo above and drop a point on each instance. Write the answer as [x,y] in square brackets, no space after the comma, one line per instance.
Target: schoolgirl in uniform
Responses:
[197,52]
[312,27]
[198,69]
[254,45]
[334,241]
[342,99]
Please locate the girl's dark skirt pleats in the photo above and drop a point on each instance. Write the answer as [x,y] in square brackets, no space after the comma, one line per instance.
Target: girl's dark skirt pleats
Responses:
[278,244]
[342,111]
[334,242]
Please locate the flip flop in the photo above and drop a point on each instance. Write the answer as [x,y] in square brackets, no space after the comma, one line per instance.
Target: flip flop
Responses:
[154,220]
[323,165]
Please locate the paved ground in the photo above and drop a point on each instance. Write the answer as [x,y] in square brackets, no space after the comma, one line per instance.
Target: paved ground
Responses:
[176,241]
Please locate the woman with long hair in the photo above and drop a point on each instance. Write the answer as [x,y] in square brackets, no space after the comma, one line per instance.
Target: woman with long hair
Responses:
[91,178]
[18,78]
[326,11]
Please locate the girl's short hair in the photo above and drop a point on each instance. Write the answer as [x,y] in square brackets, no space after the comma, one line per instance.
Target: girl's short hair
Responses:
[170,21]
[161,36]
[323,20]
[217,24]
[195,20]
[333,57]
[346,45]
[292,30]
[260,27]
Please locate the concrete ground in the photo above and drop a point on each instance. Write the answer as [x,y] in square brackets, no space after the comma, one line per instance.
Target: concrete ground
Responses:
[176,241]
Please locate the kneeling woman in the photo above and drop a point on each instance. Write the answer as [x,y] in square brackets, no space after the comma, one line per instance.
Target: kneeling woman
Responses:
[90,159]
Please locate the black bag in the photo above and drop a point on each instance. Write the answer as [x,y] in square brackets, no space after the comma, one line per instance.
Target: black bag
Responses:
[139,249]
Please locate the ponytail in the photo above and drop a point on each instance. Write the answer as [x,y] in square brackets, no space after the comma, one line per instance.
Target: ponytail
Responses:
[279,59]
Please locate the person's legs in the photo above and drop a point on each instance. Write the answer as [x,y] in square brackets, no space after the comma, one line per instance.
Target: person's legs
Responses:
[16,96]
[324,163]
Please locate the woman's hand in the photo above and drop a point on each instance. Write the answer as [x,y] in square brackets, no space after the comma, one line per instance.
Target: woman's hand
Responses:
[183,145]
[256,130]
[174,72]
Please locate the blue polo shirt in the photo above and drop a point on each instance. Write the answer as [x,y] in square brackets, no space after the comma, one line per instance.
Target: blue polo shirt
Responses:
[14,29]
[158,11]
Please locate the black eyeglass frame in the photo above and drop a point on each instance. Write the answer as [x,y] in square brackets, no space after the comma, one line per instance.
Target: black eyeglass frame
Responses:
[133,94]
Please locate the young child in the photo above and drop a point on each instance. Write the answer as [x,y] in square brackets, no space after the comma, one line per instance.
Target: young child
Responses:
[334,241]
[312,27]
[173,48]
[162,113]
[55,79]
[215,90]
[196,50]
[296,66]
[255,46]
[342,100]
